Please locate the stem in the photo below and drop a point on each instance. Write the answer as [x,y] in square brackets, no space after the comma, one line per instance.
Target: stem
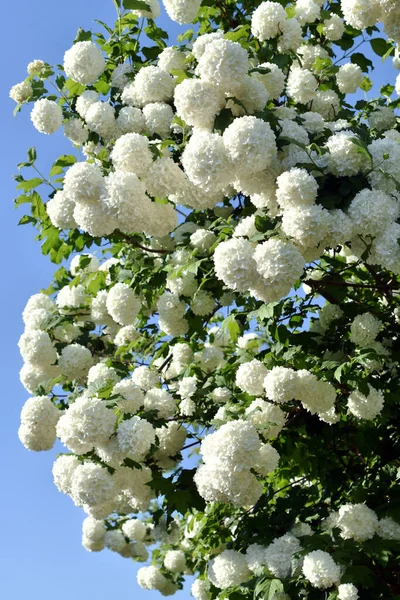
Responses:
[131,240]
[44,178]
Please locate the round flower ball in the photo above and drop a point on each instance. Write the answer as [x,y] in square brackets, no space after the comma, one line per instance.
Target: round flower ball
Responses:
[46,116]
[84,63]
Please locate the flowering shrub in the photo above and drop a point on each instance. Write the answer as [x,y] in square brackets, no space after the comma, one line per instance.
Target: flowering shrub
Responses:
[221,369]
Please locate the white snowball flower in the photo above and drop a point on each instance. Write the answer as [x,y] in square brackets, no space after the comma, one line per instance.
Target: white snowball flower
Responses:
[313,122]
[203,303]
[250,144]
[116,200]
[63,469]
[158,117]
[227,569]
[267,19]
[171,59]
[388,529]
[182,11]
[268,419]
[217,483]
[83,182]
[206,162]
[132,397]
[135,436]
[347,591]
[292,36]
[281,384]
[200,589]
[235,265]
[100,375]
[46,116]
[85,101]
[134,530]
[91,264]
[153,84]
[36,348]
[84,62]
[307,225]
[224,64]
[279,555]
[366,407]
[100,118]
[130,120]
[364,329]
[71,297]
[20,92]
[344,158]
[233,446]
[250,377]
[92,486]
[93,532]
[145,378]
[203,240]
[115,541]
[35,302]
[126,335]
[301,85]
[273,80]
[132,154]
[39,418]
[85,424]
[361,13]
[266,460]
[151,578]
[32,376]
[307,11]
[122,304]
[161,401]
[76,131]
[382,118]
[327,104]
[280,264]
[373,211]
[175,561]
[296,187]
[320,569]
[349,78]
[75,361]
[197,102]
[357,522]
[334,28]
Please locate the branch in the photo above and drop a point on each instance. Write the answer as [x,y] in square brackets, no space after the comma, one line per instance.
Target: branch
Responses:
[132,240]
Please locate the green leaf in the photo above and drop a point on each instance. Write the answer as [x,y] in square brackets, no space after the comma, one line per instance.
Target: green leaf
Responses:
[343,369]
[74,88]
[23,199]
[32,154]
[366,84]
[380,46]
[232,327]
[66,160]
[135,5]
[268,588]
[29,184]
[82,35]
[27,219]
[362,61]
[387,90]
[361,147]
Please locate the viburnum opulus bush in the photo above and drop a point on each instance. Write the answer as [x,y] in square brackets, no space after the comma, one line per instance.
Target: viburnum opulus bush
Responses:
[222,368]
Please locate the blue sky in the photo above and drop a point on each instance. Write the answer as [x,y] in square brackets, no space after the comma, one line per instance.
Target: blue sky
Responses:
[41,553]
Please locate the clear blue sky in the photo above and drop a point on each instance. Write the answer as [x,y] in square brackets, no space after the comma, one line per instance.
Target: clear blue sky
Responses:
[41,554]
